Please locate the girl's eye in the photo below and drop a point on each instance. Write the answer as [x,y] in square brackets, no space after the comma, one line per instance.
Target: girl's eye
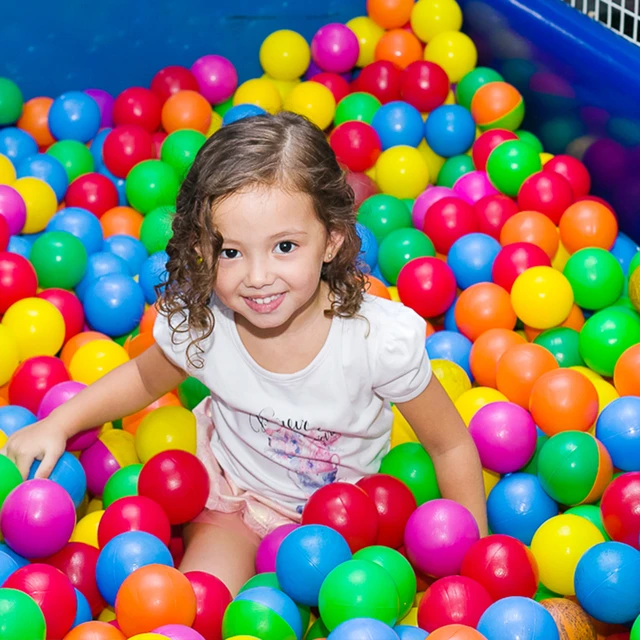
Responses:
[285,247]
[229,253]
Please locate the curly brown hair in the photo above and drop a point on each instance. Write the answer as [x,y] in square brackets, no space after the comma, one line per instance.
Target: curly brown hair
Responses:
[284,150]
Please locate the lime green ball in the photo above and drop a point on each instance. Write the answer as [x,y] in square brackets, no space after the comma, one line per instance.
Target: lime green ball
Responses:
[152,184]
[356,106]
[10,478]
[123,483]
[382,214]
[510,164]
[530,139]
[74,156]
[453,169]
[532,466]
[59,259]
[592,513]
[318,631]
[635,630]
[156,231]
[11,102]
[409,202]
[192,392]
[472,81]
[544,594]
[223,107]
[564,345]
[179,150]
[20,617]
[402,246]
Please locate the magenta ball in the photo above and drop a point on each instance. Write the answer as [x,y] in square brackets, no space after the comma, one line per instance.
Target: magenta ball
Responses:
[268,549]
[335,48]
[105,102]
[505,436]
[438,535]
[473,186]
[216,77]
[425,200]
[37,518]
[178,632]
[99,465]
[12,208]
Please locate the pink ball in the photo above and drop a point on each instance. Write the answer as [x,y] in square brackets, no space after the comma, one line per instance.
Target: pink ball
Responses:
[99,464]
[12,208]
[505,436]
[268,549]
[178,632]
[438,535]
[473,186]
[425,200]
[37,518]
[216,77]
[335,48]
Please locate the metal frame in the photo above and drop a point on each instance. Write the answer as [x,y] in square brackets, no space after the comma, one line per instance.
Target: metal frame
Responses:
[621,16]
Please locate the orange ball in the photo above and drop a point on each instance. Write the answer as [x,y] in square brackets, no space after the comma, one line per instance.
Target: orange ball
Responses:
[519,369]
[497,103]
[390,14]
[94,631]
[563,400]
[430,329]
[588,223]
[626,375]
[456,632]
[531,226]
[4,392]
[487,351]
[136,345]
[132,422]
[74,343]
[484,306]
[35,120]
[376,287]
[148,319]
[186,110]
[400,47]
[574,321]
[153,596]
[571,619]
[121,221]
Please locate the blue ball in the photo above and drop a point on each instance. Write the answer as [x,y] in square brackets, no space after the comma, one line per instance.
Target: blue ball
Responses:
[276,601]
[518,617]
[69,474]
[122,555]
[241,111]
[398,123]
[450,318]
[607,582]
[74,116]
[7,566]
[100,264]
[131,250]
[410,633]
[152,273]
[46,168]
[368,246]
[363,629]
[17,144]
[13,418]
[450,130]
[114,304]
[471,258]
[80,223]
[83,610]
[518,505]
[624,249]
[97,146]
[19,245]
[305,558]
[120,185]
[618,428]
[21,562]
[450,345]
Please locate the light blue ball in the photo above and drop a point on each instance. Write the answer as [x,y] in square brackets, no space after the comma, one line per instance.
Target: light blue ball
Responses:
[363,629]
[69,474]
[17,144]
[241,111]
[74,116]
[278,602]
[13,418]
[450,130]
[80,223]
[518,617]
[97,146]
[450,318]
[471,258]
[7,566]
[83,610]
[368,246]
[618,428]
[45,168]
[19,245]
[398,123]
[131,250]
[450,345]
[119,183]
[624,249]
[153,272]
[100,264]
[20,561]
[406,632]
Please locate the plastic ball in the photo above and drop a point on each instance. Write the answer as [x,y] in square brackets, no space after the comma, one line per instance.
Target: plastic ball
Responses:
[13,418]
[40,201]
[620,507]
[356,145]
[59,259]
[151,184]
[532,227]
[400,47]
[86,531]
[481,307]
[123,483]
[546,192]
[431,17]
[421,205]
[335,48]
[216,77]
[164,429]
[497,105]
[80,223]
[587,223]
[617,429]
[563,343]
[398,123]
[390,14]
[124,147]
[402,172]
[471,401]
[11,101]
[487,351]
[21,616]
[212,598]
[45,168]
[357,106]
[447,220]
[453,169]
[69,474]
[400,247]
[472,258]
[474,186]
[455,52]
[269,547]
[139,106]
[570,618]
[515,259]
[450,130]
[74,116]
[492,212]
[153,272]
[427,285]
[424,85]
[361,629]
[16,145]
[456,632]
[368,33]
[261,92]
[180,148]
[314,101]
[510,164]
[450,345]
[574,171]
[12,209]
[284,55]
[92,191]
[518,617]
[382,214]
[74,157]
[486,143]
[382,79]
[452,377]
[172,79]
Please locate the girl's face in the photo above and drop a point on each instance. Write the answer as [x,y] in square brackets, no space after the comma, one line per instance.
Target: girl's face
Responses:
[271,259]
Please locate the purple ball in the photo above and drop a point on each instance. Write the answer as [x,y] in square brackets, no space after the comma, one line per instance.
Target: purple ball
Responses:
[99,465]
[428,197]
[438,535]
[37,518]
[216,77]
[268,549]
[178,632]
[474,185]
[335,48]
[505,436]
[12,208]
[105,104]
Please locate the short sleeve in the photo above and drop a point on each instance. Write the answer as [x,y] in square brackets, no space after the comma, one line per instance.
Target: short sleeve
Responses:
[175,348]
[402,369]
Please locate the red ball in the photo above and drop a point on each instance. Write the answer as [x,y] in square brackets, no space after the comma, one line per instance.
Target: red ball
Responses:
[492,212]
[18,279]
[620,506]
[447,220]
[78,562]
[356,145]
[69,306]
[5,233]
[363,187]
[94,192]
[546,192]
[124,147]
[158,138]
[383,79]
[503,566]
[172,79]
[453,600]
[574,171]
[53,593]
[338,86]
[486,143]
[134,513]
[424,85]
[347,509]
[33,378]
[178,482]
[212,599]
[394,502]
[140,106]
[427,285]
[515,259]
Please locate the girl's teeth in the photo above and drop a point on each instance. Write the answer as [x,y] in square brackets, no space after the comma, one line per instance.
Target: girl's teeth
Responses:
[264,300]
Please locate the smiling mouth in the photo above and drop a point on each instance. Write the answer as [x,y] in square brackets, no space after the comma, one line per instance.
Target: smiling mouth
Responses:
[264,299]
[264,304]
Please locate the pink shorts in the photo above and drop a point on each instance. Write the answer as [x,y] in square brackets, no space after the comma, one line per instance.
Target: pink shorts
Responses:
[259,514]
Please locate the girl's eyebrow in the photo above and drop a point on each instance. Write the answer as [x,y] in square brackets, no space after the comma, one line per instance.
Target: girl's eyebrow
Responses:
[288,233]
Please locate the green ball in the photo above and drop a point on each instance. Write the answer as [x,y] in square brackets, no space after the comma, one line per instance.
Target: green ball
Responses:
[383,214]
[472,81]
[192,392]
[223,107]
[59,259]
[591,513]
[606,335]
[409,202]
[532,466]
[544,594]
[400,247]
[358,589]
[151,184]
[123,483]
[356,106]
[20,617]
[410,463]
[399,569]
[635,630]
[74,156]
[10,478]
[596,277]
[530,139]
[453,169]
[11,102]
[564,345]
[179,150]
[318,631]
[156,231]
[510,164]
[122,339]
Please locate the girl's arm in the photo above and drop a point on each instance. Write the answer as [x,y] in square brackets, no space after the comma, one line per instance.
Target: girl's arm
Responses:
[446,439]
[123,391]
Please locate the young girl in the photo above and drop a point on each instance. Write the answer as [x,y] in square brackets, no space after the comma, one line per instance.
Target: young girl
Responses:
[266,305]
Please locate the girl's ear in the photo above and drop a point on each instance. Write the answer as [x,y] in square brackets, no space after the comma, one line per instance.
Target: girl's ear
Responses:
[334,242]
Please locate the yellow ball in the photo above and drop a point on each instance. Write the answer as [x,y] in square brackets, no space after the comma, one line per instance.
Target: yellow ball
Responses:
[411,619]
[585,371]
[560,259]
[94,505]
[10,354]
[40,200]
[37,327]
[452,377]
[542,297]
[368,33]
[7,170]
[163,429]
[545,157]
[401,431]
[3,439]
[634,289]
[606,393]
[431,17]
[393,292]
[121,445]
[402,172]
[473,400]
[95,359]
[261,92]
[107,615]
[455,52]
[284,87]
[216,123]
[314,101]
[433,160]
[558,545]
[87,529]
[285,55]
[490,479]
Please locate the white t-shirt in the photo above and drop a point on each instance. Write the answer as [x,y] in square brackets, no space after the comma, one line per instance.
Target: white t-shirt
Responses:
[284,435]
